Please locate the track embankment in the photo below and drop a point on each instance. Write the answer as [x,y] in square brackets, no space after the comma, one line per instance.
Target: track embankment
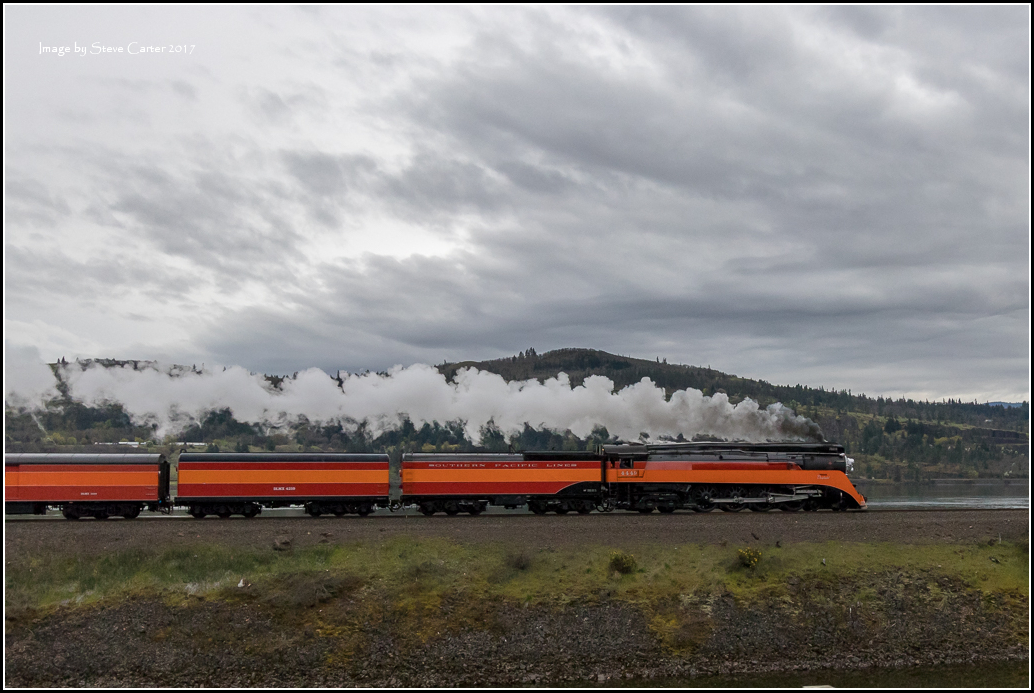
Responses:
[618,529]
[508,600]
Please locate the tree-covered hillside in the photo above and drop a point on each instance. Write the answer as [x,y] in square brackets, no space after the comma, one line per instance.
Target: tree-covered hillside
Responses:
[895,439]
[581,363]
[902,438]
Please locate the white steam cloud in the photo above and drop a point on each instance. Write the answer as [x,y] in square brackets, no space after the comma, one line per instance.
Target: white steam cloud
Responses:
[28,382]
[174,398]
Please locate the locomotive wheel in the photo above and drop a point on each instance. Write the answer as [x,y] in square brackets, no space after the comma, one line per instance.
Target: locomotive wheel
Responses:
[646,511]
[563,510]
[102,515]
[702,495]
[584,508]
[734,492]
[667,510]
[760,492]
[792,506]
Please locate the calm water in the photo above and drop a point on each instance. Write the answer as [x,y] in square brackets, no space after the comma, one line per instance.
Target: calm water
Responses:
[946,494]
[993,675]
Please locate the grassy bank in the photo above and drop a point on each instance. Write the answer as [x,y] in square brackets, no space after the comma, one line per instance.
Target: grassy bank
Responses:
[419,571]
[351,607]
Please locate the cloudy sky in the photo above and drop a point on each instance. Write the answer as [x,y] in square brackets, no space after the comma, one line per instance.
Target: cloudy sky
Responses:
[834,197]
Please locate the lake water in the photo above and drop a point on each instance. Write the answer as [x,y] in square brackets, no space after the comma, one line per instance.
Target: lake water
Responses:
[946,494]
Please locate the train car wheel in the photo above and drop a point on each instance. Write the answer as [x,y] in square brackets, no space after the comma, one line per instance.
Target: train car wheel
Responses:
[537,508]
[251,511]
[70,513]
[132,514]
[476,510]
[102,515]
[562,510]
[365,510]
[427,509]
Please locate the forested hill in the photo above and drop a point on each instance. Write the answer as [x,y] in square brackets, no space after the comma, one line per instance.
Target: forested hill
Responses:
[623,370]
[889,439]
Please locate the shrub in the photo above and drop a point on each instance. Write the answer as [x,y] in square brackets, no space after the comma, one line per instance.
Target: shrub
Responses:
[749,558]
[623,563]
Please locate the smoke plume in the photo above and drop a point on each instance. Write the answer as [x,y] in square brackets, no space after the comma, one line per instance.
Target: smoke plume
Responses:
[173,398]
[28,382]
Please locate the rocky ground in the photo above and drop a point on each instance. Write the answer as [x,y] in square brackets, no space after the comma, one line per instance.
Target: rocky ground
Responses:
[618,529]
[211,643]
[347,634]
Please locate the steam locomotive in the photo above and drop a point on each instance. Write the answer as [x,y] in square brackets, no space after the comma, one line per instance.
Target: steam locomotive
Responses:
[699,477]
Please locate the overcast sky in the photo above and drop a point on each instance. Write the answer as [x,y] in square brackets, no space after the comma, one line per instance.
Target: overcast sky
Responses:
[834,197]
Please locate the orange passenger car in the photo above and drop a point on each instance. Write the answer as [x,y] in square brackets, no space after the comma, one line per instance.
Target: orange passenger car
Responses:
[95,485]
[454,483]
[226,484]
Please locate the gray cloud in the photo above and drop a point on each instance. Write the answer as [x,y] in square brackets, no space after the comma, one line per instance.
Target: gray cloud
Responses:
[836,196]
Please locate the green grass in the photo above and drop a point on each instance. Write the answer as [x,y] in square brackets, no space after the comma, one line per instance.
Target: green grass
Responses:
[424,572]
[421,589]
